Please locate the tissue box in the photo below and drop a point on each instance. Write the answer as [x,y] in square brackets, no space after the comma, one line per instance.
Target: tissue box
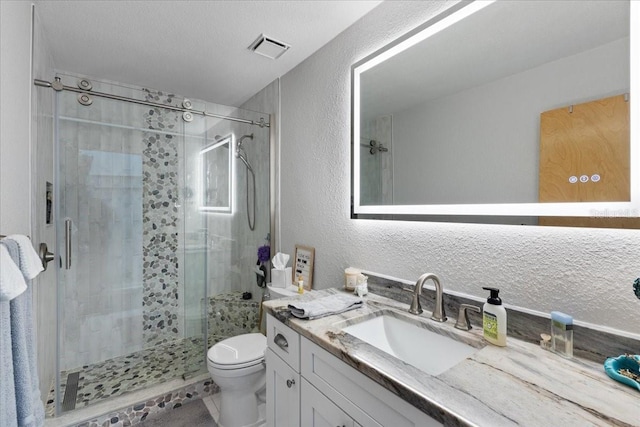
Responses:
[281,278]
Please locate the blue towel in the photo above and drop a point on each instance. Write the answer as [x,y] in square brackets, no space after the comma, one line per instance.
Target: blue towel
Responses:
[29,407]
[8,415]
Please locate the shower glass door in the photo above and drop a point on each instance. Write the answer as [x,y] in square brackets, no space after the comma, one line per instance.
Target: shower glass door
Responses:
[157,256]
[121,226]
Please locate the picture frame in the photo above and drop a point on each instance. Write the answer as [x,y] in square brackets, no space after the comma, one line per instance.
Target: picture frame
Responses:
[303,265]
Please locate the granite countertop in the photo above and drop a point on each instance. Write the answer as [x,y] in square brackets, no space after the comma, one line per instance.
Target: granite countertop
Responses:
[520,384]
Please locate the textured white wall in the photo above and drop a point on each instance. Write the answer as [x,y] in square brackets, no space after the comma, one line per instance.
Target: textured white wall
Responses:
[15,97]
[585,272]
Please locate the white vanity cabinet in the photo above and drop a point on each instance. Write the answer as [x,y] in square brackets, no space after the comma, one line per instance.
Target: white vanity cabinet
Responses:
[283,375]
[331,393]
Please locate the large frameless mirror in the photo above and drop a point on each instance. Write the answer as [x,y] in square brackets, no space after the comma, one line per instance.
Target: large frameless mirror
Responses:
[501,112]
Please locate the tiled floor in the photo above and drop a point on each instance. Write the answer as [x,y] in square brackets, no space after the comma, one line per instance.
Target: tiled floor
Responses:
[192,414]
[135,371]
[213,404]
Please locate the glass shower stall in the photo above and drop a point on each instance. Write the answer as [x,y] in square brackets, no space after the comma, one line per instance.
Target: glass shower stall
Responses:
[155,251]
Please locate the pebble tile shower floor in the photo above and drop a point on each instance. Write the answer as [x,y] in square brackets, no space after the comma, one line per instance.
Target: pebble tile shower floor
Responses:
[132,372]
[229,315]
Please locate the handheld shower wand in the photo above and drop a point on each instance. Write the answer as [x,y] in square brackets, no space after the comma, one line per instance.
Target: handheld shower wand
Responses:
[242,155]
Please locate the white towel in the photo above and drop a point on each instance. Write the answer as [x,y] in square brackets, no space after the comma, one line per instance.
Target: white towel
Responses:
[325,306]
[12,282]
[30,262]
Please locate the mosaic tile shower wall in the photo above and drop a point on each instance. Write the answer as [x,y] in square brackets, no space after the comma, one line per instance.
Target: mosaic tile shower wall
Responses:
[160,224]
[230,315]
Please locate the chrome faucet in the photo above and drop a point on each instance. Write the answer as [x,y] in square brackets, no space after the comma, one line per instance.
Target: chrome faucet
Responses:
[438,312]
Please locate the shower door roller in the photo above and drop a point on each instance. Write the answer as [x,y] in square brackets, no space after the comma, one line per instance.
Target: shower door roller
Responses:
[85,84]
[84,99]
[187,116]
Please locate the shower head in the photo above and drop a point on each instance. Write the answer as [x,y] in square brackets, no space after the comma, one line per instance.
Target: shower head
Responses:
[241,140]
[240,153]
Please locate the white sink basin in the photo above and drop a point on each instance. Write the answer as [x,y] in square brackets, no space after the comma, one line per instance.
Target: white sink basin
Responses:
[426,350]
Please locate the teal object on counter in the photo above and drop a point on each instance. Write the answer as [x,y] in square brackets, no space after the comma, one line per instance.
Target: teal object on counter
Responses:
[631,362]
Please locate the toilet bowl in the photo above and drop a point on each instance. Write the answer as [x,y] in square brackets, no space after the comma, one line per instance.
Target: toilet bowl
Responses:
[236,364]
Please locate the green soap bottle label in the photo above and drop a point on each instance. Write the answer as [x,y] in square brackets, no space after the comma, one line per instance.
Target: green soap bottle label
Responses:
[490,325]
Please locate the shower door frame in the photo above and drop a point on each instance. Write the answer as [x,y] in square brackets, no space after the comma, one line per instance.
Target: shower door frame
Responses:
[274,176]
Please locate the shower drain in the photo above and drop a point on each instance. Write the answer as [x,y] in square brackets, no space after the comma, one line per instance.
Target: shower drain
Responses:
[71,392]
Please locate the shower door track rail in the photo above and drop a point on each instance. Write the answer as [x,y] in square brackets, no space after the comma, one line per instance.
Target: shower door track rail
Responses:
[58,86]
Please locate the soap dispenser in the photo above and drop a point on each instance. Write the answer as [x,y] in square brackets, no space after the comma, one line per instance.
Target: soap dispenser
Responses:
[494,319]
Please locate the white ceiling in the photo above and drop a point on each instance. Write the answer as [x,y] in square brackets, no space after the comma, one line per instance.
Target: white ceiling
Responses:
[197,49]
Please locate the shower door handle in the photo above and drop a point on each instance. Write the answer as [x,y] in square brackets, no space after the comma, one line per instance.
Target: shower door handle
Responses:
[67,244]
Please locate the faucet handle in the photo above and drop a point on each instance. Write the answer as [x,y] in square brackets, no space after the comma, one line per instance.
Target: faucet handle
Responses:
[463,317]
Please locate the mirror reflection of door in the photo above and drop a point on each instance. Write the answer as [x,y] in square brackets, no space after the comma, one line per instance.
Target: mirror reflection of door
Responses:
[585,157]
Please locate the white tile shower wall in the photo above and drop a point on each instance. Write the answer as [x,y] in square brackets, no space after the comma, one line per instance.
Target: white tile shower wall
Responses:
[267,101]
[102,310]
[585,272]
[192,253]
[233,246]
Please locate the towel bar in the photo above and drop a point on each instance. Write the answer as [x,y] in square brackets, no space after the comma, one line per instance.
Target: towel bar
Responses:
[43,252]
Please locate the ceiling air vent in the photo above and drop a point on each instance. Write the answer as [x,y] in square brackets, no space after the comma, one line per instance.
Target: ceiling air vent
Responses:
[266,46]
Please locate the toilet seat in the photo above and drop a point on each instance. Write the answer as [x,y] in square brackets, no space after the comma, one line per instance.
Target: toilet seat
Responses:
[238,352]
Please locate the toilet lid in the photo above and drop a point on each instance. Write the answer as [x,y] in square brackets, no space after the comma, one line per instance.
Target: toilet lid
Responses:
[238,350]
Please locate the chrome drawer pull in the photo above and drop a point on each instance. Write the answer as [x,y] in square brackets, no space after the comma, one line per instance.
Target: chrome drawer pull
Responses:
[281,342]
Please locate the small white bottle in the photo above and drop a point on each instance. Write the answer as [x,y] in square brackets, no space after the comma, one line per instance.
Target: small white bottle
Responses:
[494,319]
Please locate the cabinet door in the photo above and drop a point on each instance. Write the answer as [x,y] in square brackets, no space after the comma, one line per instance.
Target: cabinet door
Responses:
[366,401]
[283,393]
[316,410]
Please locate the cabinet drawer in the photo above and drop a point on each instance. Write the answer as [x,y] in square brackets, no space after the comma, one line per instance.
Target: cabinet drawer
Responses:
[366,401]
[284,342]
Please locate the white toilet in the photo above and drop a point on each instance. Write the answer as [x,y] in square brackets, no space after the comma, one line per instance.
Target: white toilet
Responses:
[236,364]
